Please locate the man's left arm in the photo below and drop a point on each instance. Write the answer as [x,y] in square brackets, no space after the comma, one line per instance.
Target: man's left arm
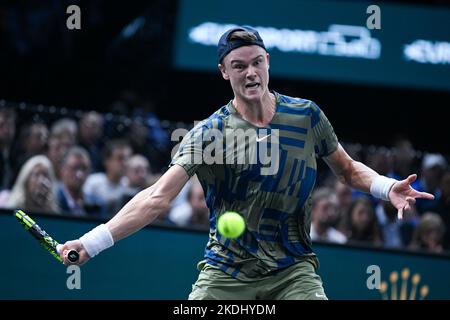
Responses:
[359,176]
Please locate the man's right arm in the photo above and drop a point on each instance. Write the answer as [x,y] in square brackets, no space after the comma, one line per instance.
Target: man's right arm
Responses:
[141,210]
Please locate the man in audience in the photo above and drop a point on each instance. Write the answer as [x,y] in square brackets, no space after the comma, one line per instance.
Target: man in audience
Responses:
[323,215]
[90,132]
[75,168]
[108,185]
[7,132]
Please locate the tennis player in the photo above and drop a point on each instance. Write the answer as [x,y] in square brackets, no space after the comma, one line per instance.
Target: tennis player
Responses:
[273,259]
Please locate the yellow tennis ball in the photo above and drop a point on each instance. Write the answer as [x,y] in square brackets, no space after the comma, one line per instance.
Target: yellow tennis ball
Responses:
[231,224]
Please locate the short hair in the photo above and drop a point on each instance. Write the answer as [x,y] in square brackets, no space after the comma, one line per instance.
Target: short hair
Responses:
[75,151]
[112,145]
[322,193]
[63,125]
[242,35]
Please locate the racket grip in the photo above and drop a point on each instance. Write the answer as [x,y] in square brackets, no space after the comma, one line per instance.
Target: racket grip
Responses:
[72,256]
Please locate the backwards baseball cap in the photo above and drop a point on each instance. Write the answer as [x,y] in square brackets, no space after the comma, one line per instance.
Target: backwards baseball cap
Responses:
[226,45]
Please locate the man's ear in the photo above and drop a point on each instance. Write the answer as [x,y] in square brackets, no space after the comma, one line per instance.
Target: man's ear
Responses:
[268,60]
[223,71]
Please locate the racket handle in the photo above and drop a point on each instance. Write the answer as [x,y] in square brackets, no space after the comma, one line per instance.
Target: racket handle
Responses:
[72,256]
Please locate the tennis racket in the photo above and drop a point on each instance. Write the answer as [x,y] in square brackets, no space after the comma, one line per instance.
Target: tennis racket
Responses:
[44,239]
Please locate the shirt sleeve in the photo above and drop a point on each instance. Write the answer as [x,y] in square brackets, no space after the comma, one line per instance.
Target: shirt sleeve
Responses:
[325,140]
[191,150]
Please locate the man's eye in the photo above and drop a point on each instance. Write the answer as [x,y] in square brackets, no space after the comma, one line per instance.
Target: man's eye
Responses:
[239,66]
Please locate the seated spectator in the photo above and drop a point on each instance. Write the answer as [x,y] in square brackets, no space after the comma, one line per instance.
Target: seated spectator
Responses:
[429,234]
[323,216]
[34,189]
[33,140]
[395,233]
[433,168]
[108,185]
[362,224]
[57,148]
[344,199]
[442,207]
[138,176]
[65,128]
[75,167]
[7,132]
[194,212]
[90,131]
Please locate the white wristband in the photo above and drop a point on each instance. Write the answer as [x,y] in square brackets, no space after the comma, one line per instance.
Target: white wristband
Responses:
[381,186]
[97,240]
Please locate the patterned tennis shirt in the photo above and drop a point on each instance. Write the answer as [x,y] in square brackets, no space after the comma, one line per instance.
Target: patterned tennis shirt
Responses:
[265,174]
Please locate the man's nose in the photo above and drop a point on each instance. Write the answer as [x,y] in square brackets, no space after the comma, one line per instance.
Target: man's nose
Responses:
[251,73]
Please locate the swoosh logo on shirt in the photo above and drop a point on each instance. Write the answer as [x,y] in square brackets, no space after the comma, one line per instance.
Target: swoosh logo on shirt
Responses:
[261,139]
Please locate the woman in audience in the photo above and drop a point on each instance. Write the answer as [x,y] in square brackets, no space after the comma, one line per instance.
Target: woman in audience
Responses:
[362,223]
[34,189]
[429,234]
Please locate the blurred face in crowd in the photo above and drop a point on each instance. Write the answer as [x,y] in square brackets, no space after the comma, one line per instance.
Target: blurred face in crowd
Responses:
[325,211]
[38,186]
[361,216]
[380,161]
[343,194]
[75,171]
[91,127]
[57,147]
[247,69]
[445,188]
[198,203]
[7,129]
[115,164]
[35,143]
[138,170]
[432,177]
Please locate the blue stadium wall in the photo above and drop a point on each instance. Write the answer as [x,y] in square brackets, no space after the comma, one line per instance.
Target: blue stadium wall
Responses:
[160,263]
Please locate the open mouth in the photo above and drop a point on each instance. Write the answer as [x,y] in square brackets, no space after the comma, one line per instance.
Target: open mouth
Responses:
[252,85]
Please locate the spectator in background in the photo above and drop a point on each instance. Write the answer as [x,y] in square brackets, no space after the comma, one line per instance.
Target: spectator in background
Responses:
[404,156]
[90,131]
[140,141]
[57,148]
[138,176]
[33,141]
[442,207]
[362,224]
[323,216]
[108,185]
[429,234]
[75,167]
[34,189]
[65,129]
[7,132]
[63,135]
[194,212]
[343,201]
[433,168]
[395,233]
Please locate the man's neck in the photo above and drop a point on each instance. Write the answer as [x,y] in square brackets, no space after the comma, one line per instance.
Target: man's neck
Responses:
[258,113]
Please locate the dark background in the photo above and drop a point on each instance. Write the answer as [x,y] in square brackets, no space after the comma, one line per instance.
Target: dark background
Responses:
[42,62]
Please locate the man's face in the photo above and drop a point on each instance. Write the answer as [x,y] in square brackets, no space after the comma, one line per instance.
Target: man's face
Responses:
[247,68]
[325,211]
[115,165]
[75,171]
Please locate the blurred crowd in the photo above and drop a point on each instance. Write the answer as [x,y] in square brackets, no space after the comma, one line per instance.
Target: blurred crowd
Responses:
[90,164]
